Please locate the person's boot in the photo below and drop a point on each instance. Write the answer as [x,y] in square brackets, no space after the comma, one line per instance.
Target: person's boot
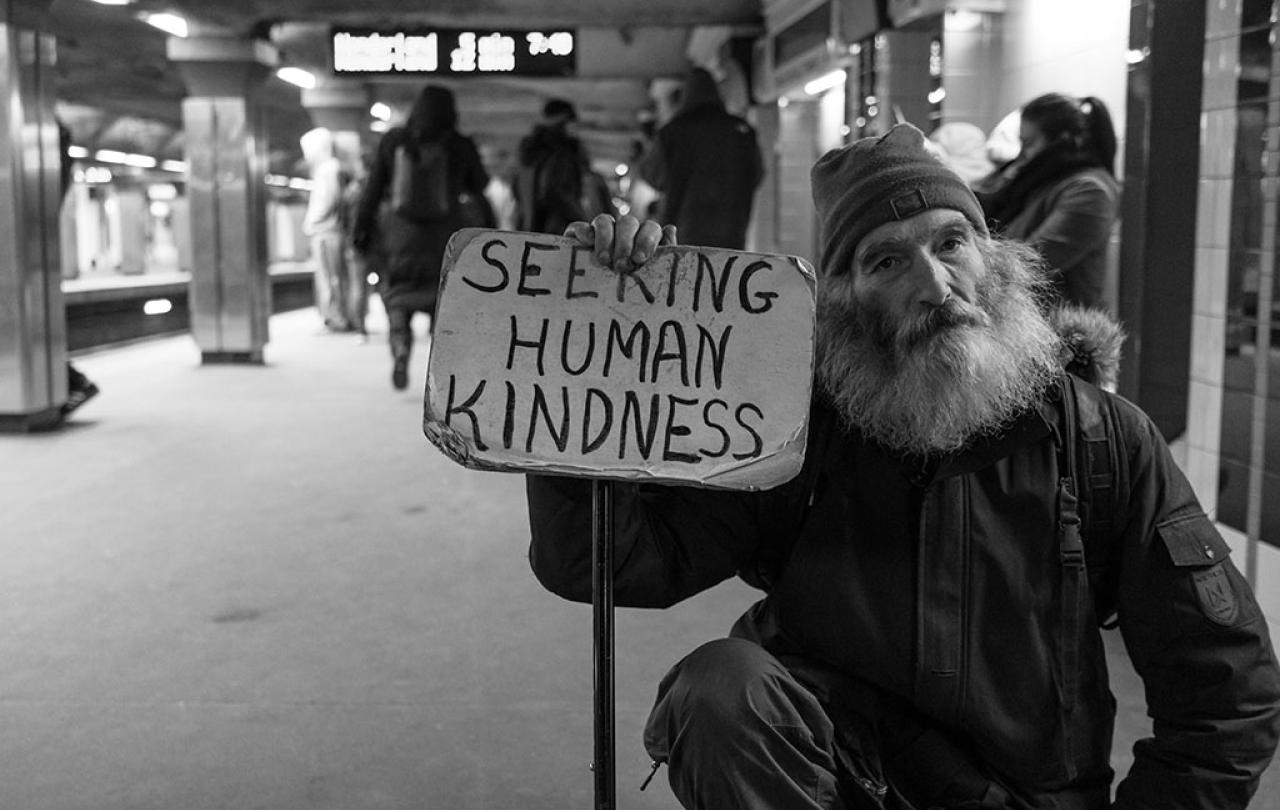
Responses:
[400,373]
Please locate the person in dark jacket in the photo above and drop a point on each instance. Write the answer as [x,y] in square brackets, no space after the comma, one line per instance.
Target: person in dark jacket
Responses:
[1060,194]
[553,164]
[929,638]
[412,249]
[706,162]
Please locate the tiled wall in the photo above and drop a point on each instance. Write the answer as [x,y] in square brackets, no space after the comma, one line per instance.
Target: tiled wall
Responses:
[1234,398]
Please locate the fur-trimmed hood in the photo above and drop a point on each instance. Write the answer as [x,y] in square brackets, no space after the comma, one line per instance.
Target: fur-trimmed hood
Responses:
[1091,343]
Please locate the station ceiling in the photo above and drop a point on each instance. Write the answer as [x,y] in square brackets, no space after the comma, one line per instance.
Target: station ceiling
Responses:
[117,89]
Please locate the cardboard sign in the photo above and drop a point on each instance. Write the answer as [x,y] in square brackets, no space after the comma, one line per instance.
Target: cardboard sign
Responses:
[695,368]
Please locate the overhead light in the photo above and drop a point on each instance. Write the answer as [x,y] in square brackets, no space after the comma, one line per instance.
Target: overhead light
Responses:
[179,166]
[297,76]
[824,83]
[77,152]
[380,111]
[168,23]
[109,156]
[113,2]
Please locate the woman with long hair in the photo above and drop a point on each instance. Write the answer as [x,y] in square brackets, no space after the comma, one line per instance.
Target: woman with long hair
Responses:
[1060,194]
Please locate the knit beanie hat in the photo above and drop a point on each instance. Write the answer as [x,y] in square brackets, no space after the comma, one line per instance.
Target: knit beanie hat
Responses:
[859,187]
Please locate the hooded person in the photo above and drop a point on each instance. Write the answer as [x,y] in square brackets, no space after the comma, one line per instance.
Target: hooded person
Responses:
[967,515]
[322,225]
[706,163]
[411,237]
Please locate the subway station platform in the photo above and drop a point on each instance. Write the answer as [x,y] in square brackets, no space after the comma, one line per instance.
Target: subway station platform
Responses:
[261,587]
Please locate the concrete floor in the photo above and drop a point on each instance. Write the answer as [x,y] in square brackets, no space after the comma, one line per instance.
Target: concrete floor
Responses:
[261,587]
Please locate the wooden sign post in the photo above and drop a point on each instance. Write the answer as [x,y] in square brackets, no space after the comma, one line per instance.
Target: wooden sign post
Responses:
[694,369]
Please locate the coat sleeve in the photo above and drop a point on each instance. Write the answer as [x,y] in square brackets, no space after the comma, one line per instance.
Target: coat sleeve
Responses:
[375,188]
[474,177]
[1078,222]
[1197,638]
[670,542]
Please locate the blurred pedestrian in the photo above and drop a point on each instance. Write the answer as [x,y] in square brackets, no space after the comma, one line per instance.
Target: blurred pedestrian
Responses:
[549,188]
[80,389]
[1060,194]
[321,223]
[431,177]
[706,163]
[358,265]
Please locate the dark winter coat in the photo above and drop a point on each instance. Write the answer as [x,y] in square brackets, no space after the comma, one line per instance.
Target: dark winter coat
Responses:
[1065,209]
[706,162]
[943,584]
[413,251]
[549,186]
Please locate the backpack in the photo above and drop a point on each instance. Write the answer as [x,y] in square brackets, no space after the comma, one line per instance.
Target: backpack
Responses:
[420,183]
[553,187]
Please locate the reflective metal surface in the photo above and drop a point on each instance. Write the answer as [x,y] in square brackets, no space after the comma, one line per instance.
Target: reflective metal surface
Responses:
[230,292]
[33,378]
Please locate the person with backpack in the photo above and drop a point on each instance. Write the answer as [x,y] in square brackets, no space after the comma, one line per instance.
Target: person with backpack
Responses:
[706,163]
[426,182]
[549,185]
[968,514]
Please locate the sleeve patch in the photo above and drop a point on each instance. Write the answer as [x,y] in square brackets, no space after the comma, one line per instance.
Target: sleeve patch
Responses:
[1217,599]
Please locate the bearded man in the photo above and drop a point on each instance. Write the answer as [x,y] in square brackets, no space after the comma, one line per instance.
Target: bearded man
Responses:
[923,642]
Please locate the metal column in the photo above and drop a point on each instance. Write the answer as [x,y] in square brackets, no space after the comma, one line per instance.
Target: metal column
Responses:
[226,171]
[33,341]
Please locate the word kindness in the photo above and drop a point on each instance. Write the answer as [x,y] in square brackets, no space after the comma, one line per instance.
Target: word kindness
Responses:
[694,368]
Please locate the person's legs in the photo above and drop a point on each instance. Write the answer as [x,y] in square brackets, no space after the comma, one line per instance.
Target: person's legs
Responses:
[357,290]
[400,329]
[330,279]
[736,729]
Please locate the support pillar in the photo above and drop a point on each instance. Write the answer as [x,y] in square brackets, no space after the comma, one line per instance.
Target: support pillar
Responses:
[33,331]
[226,154]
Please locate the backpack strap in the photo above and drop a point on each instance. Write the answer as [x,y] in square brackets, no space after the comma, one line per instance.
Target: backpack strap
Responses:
[1090,489]
[1075,584]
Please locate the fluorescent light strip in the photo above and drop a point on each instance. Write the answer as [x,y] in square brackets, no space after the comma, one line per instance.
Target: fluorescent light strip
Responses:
[297,76]
[168,23]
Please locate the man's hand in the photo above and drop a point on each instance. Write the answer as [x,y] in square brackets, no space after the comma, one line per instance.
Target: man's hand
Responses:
[623,245]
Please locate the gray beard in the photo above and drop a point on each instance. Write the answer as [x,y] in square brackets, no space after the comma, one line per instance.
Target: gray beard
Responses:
[937,382]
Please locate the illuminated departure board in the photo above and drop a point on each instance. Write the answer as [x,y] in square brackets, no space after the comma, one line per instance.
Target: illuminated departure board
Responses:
[454,52]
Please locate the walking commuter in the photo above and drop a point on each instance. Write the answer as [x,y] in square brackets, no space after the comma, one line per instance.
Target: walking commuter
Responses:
[322,224]
[549,184]
[80,389]
[706,163]
[1060,194]
[936,574]
[433,183]
[358,265]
